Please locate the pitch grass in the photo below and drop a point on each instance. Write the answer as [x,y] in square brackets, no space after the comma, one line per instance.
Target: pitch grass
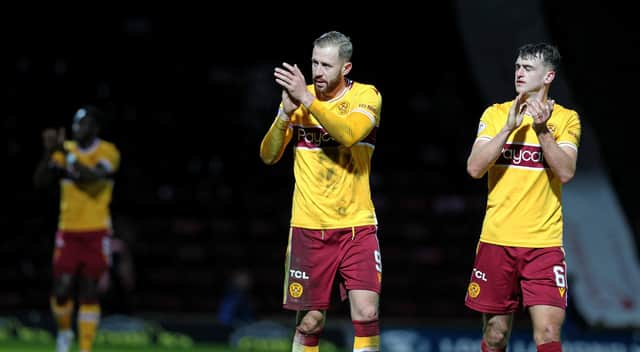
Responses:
[26,347]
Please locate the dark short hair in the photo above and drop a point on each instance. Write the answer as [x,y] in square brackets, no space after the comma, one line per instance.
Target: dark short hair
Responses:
[548,53]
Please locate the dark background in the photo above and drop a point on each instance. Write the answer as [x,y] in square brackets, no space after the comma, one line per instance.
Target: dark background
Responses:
[190,95]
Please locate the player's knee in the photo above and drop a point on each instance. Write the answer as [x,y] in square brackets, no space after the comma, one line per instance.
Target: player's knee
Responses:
[366,313]
[546,333]
[495,339]
[88,295]
[61,294]
[309,328]
[311,323]
[496,335]
[61,299]
[61,290]
[88,288]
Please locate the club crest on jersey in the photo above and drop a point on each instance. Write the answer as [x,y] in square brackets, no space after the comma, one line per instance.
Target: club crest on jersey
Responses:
[295,290]
[343,108]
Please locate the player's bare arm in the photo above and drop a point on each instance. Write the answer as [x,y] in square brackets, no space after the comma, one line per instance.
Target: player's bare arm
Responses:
[84,173]
[561,160]
[516,113]
[289,105]
[52,140]
[292,80]
[540,109]
[485,152]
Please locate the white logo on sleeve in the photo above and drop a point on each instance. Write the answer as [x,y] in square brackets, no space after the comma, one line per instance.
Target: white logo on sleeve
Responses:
[481,126]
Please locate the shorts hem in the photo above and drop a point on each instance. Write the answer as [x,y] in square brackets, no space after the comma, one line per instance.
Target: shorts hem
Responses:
[523,245]
[553,304]
[298,308]
[376,290]
[489,309]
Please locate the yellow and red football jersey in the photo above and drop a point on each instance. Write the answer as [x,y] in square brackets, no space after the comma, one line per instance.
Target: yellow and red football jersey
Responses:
[331,180]
[524,198]
[84,206]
